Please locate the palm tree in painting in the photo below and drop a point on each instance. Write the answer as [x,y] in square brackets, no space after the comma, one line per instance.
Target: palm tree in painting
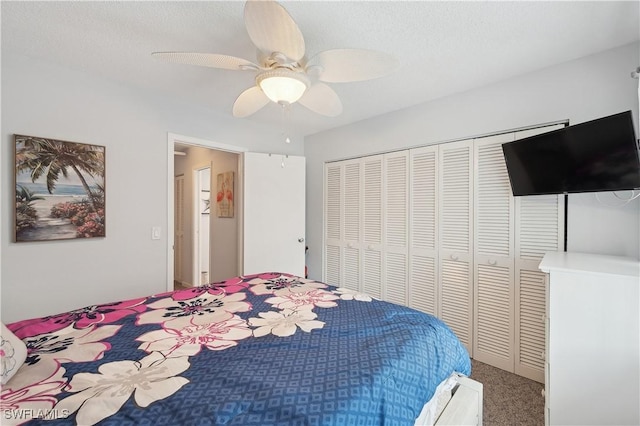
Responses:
[26,215]
[51,158]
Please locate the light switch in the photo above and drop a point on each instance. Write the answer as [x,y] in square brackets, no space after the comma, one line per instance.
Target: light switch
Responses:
[155,233]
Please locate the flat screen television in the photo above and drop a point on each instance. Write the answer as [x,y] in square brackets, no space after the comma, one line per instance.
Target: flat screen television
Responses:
[598,155]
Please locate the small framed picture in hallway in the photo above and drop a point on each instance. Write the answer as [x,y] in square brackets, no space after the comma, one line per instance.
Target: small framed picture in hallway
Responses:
[60,189]
[224,194]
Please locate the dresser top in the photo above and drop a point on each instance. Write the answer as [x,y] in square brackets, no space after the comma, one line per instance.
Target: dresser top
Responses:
[590,263]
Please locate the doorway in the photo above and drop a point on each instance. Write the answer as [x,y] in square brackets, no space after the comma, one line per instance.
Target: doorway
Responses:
[212,252]
[241,241]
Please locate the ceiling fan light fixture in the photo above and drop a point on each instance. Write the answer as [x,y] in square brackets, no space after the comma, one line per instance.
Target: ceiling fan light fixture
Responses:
[283,85]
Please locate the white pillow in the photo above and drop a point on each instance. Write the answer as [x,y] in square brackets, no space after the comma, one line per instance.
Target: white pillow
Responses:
[13,352]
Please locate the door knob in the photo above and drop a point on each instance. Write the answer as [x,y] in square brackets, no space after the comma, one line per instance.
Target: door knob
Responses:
[301,240]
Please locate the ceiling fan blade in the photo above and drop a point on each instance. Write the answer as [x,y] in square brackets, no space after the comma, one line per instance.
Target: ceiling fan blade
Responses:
[346,65]
[249,102]
[322,99]
[212,60]
[272,29]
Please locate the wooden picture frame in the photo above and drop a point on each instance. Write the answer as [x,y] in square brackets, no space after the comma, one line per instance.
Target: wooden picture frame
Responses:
[60,189]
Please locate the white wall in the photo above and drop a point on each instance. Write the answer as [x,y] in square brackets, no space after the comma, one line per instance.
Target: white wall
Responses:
[579,91]
[43,99]
[224,231]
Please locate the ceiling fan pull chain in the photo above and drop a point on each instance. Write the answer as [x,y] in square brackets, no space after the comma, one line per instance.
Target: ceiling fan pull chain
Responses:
[286,120]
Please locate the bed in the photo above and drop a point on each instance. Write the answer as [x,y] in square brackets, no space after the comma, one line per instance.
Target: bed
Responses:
[265,349]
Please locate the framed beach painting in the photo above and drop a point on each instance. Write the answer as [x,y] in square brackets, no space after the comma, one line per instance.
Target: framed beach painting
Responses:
[60,189]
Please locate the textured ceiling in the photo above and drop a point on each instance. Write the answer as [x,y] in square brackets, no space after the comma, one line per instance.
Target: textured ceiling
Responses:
[442,47]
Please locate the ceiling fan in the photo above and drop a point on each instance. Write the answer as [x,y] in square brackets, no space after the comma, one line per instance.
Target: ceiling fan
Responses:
[283,73]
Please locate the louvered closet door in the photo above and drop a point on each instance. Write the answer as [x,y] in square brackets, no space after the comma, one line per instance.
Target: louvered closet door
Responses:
[494,255]
[396,241]
[372,222]
[456,235]
[423,234]
[539,229]
[333,224]
[352,218]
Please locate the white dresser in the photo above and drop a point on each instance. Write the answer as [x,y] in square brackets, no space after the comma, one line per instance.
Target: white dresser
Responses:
[592,368]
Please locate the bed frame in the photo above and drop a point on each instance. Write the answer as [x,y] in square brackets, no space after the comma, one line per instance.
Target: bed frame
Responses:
[465,405]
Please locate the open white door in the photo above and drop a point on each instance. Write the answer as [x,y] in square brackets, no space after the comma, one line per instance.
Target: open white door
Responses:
[273,214]
[178,228]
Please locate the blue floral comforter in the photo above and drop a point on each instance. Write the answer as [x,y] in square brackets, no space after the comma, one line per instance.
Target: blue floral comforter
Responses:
[268,349]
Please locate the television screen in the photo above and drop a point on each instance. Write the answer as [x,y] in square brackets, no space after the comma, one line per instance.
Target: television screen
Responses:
[599,155]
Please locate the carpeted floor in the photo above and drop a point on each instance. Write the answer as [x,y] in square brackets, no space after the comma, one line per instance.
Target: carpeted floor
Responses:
[509,399]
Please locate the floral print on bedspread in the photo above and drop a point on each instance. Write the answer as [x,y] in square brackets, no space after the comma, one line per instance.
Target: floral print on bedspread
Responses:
[190,339]
[266,284]
[98,396]
[82,363]
[189,321]
[31,391]
[284,323]
[303,300]
[70,345]
[348,294]
[79,318]
[41,377]
[229,286]
[204,309]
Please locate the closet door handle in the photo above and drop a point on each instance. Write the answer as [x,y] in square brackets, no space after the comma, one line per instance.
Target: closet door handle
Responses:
[454,257]
[492,262]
